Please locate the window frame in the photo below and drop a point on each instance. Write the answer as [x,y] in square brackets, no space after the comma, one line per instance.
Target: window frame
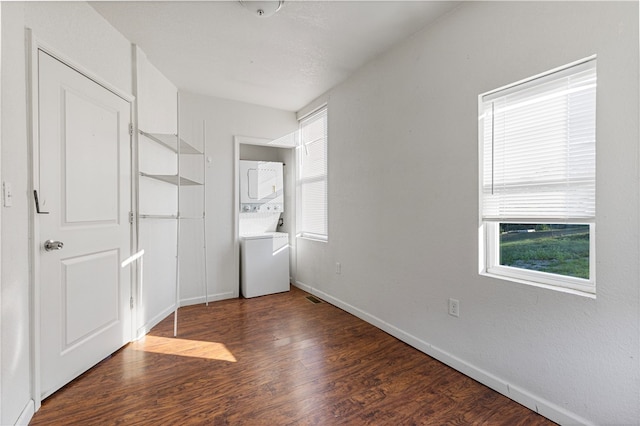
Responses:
[300,181]
[493,268]
[489,234]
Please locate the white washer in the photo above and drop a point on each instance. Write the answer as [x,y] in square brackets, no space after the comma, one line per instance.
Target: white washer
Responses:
[264,263]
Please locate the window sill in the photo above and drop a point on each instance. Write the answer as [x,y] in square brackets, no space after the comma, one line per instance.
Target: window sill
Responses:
[521,280]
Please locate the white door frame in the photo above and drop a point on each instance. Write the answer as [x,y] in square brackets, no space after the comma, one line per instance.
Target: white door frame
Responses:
[33,46]
[0,223]
[237,141]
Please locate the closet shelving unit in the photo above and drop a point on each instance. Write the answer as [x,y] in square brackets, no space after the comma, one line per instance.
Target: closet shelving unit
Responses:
[180,148]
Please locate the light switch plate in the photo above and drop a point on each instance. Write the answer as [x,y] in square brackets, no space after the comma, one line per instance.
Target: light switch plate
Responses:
[7,194]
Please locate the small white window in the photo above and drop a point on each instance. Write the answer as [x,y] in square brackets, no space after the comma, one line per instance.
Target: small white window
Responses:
[312,177]
[538,179]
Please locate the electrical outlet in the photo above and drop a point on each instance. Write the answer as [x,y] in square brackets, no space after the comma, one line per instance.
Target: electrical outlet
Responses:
[454,307]
[338,268]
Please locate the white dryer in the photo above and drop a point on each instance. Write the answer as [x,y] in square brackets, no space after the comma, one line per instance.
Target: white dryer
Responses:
[261,187]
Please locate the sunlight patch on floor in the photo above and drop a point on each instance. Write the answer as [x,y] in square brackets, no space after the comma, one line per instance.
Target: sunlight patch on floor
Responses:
[182,347]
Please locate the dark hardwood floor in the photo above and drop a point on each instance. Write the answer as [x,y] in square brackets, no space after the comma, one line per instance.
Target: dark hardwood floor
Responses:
[275,360]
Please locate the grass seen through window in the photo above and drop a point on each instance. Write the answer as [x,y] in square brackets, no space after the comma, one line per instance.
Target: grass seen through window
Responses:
[556,249]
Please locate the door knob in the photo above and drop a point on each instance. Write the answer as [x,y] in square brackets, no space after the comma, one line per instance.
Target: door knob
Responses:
[51,245]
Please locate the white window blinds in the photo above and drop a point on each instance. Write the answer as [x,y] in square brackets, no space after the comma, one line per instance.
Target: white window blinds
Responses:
[538,148]
[312,154]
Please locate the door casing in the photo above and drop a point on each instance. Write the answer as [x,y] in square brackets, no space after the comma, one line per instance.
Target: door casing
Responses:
[247,140]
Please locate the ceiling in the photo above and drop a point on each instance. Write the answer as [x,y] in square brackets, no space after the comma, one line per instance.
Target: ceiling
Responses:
[219,48]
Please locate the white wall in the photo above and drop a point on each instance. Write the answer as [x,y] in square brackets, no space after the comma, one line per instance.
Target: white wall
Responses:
[192,266]
[403,208]
[78,32]
[403,198]
[224,120]
[157,112]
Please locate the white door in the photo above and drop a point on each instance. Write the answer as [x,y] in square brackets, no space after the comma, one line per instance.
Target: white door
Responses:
[84,185]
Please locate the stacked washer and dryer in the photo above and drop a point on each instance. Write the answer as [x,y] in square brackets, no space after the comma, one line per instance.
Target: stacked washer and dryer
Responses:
[264,252]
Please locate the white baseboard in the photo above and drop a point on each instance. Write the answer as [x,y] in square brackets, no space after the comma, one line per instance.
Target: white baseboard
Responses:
[211,298]
[521,396]
[142,331]
[302,286]
[153,322]
[27,414]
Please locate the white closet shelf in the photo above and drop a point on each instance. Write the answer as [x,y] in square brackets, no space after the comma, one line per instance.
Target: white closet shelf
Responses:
[171,142]
[172,179]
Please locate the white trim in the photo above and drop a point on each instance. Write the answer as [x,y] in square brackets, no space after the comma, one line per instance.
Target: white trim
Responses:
[32,47]
[303,286]
[495,273]
[311,112]
[313,107]
[27,414]
[534,402]
[550,209]
[302,151]
[235,213]
[563,283]
[82,70]
[178,221]
[34,226]
[199,300]
[1,365]
[154,321]
[488,95]
[136,270]
[250,140]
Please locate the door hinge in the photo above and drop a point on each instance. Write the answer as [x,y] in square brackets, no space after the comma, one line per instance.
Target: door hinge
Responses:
[131,218]
[131,303]
[130,129]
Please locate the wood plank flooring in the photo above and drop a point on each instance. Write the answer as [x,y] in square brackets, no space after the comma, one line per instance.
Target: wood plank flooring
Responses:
[275,360]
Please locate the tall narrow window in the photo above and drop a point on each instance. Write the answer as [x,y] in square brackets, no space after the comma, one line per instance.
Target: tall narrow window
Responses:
[537,197]
[312,176]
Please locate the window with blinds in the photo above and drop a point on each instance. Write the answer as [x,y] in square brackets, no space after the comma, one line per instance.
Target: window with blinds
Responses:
[538,177]
[312,176]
